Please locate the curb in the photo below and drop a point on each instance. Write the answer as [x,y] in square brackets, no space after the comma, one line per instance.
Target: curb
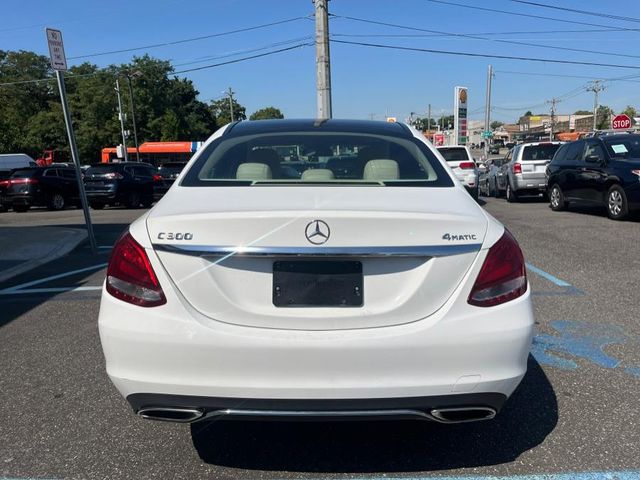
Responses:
[70,244]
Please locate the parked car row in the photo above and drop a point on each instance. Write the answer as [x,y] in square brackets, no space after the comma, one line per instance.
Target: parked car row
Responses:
[131,184]
[599,171]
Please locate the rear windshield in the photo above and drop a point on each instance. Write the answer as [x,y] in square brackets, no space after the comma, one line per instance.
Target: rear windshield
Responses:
[101,169]
[24,173]
[303,158]
[454,154]
[629,148]
[540,152]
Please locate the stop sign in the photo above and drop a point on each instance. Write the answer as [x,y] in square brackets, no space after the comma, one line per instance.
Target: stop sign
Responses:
[621,122]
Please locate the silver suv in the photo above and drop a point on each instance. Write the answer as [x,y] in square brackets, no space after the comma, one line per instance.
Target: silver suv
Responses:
[523,171]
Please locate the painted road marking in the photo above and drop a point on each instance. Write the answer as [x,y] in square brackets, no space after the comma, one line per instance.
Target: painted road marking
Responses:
[24,287]
[548,276]
[581,340]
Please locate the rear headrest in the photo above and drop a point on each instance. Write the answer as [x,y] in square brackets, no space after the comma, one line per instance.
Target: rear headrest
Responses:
[253,171]
[317,175]
[267,156]
[381,169]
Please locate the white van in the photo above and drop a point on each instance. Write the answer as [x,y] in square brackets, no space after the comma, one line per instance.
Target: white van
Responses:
[9,161]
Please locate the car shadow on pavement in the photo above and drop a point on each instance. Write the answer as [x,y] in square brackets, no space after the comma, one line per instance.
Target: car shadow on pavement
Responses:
[385,446]
[14,305]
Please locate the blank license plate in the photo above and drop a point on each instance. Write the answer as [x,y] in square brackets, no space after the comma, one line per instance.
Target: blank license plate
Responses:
[317,283]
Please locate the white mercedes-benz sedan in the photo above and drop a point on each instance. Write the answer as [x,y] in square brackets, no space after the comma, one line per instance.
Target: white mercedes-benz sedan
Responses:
[305,269]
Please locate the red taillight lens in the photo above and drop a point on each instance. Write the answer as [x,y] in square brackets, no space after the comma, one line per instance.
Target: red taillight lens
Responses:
[466,165]
[130,276]
[17,181]
[113,176]
[157,178]
[517,168]
[502,277]
[4,183]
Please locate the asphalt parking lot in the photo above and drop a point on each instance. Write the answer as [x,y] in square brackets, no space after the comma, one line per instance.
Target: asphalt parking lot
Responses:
[575,414]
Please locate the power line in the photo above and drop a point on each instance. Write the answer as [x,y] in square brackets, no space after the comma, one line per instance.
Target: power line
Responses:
[244,58]
[241,52]
[476,37]
[486,55]
[484,34]
[187,40]
[540,17]
[586,77]
[582,12]
[273,52]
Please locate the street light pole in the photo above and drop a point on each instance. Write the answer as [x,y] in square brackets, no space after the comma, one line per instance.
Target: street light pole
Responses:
[487,111]
[133,116]
[121,115]
[230,93]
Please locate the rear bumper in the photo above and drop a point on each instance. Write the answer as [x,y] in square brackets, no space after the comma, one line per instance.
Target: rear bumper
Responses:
[633,196]
[101,196]
[169,350]
[26,200]
[537,183]
[486,405]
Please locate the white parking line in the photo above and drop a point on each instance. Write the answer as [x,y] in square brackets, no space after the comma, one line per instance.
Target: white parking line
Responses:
[24,287]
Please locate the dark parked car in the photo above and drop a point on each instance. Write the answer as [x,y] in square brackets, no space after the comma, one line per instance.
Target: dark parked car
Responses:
[52,187]
[125,183]
[165,176]
[598,171]
[4,184]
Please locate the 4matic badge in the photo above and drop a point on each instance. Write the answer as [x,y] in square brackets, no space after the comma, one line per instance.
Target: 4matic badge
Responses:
[466,236]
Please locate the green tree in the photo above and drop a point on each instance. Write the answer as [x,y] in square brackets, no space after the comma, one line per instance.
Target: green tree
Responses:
[603,117]
[583,112]
[266,114]
[631,112]
[220,110]
[495,124]
[527,113]
[445,121]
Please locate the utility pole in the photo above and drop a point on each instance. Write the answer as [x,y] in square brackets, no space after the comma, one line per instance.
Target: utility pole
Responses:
[553,103]
[487,111]
[429,118]
[596,87]
[323,60]
[133,116]
[121,115]
[230,93]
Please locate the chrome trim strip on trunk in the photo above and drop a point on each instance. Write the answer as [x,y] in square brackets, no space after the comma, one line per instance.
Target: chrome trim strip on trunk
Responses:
[400,251]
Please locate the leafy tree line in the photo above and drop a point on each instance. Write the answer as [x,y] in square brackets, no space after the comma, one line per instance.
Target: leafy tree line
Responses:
[167,107]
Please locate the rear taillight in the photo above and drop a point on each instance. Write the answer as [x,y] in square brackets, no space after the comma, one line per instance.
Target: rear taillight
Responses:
[635,172]
[157,178]
[18,181]
[130,276]
[517,168]
[4,183]
[466,165]
[113,176]
[502,277]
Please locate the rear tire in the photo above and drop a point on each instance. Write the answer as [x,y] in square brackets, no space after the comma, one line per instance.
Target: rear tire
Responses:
[56,202]
[97,206]
[511,195]
[556,199]
[21,208]
[617,205]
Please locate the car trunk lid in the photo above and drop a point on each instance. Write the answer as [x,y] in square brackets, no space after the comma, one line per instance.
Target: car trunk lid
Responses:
[413,245]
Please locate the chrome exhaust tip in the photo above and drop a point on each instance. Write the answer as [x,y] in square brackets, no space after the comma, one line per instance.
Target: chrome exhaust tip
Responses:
[462,414]
[171,414]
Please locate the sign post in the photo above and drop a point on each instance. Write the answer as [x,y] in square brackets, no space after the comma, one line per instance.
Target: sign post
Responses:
[59,64]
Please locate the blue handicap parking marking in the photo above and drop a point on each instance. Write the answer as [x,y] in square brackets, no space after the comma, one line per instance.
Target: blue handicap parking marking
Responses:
[612,475]
[582,340]
[566,287]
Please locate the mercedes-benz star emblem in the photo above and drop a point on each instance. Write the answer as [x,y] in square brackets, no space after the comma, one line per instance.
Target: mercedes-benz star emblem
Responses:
[317,232]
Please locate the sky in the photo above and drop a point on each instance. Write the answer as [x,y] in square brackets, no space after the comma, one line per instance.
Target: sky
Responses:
[367,82]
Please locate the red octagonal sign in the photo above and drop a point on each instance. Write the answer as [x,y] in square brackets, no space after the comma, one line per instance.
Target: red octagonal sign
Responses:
[621,122]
